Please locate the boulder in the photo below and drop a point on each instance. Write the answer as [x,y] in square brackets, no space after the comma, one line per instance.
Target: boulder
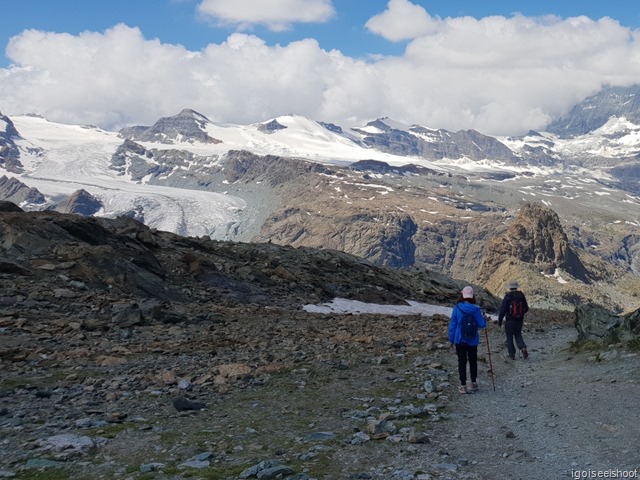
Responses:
[596,323]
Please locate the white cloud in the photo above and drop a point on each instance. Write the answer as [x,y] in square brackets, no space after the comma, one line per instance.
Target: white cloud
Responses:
[497,75]
[277,15]
[402,20]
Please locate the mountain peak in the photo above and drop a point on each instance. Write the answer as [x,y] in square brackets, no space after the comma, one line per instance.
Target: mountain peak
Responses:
[595,111]
[187,126]
[190,113]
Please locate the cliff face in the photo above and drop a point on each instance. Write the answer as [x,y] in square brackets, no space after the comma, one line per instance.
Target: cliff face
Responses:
[383,238]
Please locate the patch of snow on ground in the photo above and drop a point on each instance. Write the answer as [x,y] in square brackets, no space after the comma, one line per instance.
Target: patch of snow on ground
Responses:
[557,276]
[341,305]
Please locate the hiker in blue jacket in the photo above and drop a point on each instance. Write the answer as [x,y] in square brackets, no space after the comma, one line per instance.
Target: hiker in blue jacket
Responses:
[466,318]
[514,306]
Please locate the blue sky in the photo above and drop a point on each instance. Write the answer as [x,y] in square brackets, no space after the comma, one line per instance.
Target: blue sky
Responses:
[178,22]
[501,67]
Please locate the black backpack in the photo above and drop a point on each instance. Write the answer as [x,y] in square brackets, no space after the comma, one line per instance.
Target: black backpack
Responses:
[468,326]
[517,307]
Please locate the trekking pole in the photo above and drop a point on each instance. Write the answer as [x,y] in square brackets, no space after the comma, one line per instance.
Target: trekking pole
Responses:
[486,334]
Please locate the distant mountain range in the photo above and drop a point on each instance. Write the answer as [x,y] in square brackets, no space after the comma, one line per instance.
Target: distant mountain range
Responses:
[400,195]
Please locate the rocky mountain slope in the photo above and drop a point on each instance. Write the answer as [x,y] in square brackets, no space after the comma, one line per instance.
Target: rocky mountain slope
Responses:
[121,257]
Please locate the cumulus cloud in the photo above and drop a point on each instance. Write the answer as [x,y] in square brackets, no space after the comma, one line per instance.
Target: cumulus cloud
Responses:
[402,20]
[497,75]
[277,15]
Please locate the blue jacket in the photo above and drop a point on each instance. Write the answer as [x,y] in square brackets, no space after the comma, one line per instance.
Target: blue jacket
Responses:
[456,317]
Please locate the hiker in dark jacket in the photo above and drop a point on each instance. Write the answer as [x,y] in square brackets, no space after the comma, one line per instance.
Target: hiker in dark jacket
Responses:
[514,306]
[466,347]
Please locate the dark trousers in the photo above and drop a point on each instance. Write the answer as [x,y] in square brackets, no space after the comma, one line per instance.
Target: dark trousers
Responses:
[513,329]
[466,353]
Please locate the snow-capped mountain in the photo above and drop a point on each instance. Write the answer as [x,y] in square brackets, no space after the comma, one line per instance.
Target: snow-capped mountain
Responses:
[161,174]
[595,111]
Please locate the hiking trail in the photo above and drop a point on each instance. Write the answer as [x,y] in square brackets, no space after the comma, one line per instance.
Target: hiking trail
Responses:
[554,415]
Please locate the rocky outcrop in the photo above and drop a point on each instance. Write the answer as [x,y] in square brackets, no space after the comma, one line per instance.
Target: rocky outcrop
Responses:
[534,249]
[270,127]
[535,238]
[597,323]
[240,165]
[433,144]
[9,152]
[13,190]
[379,167]
[80,202]
[153,165]
[100,254]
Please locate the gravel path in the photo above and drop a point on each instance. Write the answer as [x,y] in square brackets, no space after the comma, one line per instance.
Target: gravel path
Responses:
[553,415]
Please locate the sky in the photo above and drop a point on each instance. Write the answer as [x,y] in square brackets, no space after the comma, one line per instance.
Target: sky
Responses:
[499,67]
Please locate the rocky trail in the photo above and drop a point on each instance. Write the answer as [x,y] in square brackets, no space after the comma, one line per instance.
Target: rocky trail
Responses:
[558,414]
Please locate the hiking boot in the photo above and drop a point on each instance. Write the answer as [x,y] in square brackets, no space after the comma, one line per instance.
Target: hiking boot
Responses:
[474,387]
[462,389]
[512,357]
[525,354]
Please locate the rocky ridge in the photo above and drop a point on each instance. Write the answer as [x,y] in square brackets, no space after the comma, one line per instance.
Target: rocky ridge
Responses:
[13,190]
[9,152]
[122,255]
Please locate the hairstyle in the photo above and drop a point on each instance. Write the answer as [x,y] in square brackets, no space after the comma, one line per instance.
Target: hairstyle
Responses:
[469,300]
